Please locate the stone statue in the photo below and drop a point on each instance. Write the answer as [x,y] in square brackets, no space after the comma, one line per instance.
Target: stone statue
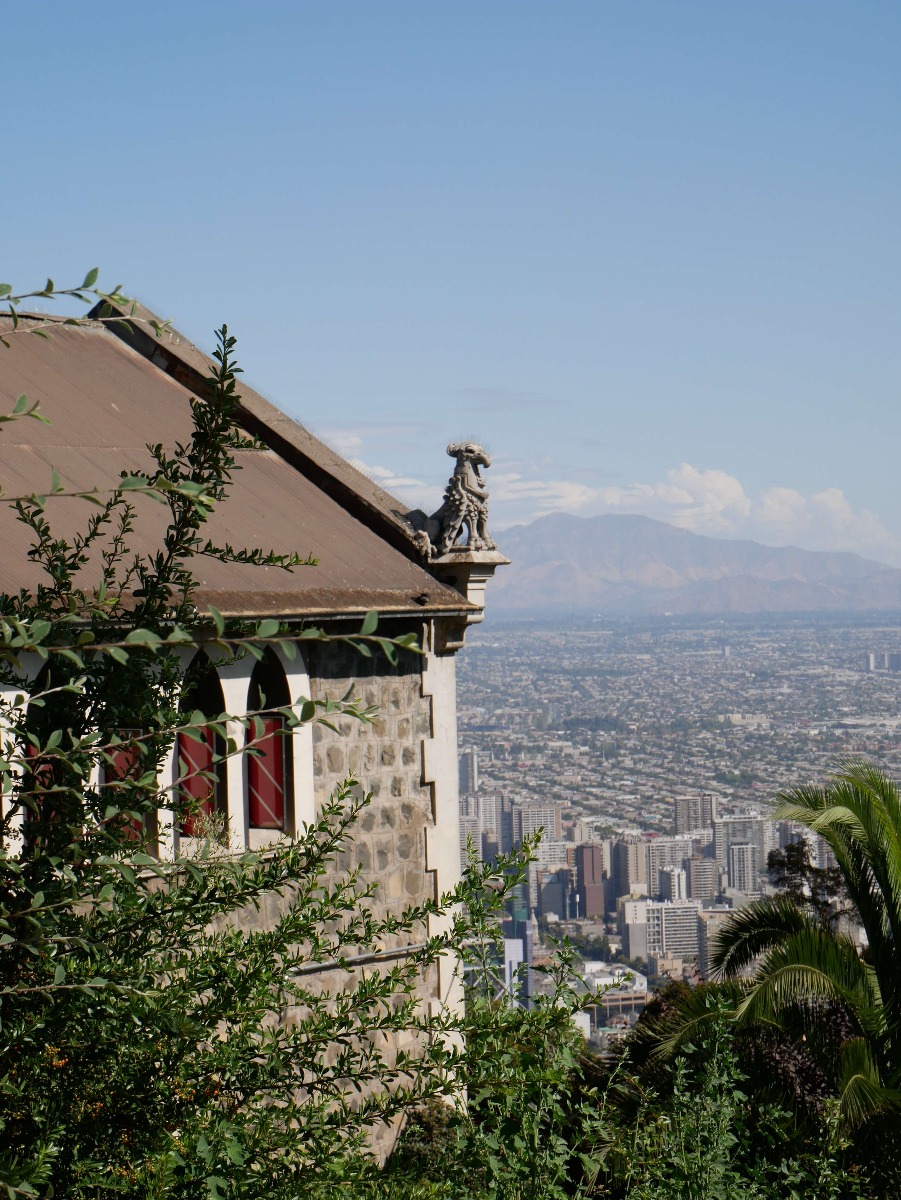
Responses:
[464,512]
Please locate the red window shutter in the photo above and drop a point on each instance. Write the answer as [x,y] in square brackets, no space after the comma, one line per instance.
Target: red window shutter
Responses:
[197,786]
[126,762]
[266,775]
[37,779]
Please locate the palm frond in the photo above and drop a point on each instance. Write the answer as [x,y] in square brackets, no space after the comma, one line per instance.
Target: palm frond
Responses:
[862,1092]
[752,930]
[810,966]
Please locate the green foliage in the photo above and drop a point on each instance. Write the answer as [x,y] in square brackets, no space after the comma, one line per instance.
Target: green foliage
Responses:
[708,1140]
[158,1037]
[810,979]
[821,889]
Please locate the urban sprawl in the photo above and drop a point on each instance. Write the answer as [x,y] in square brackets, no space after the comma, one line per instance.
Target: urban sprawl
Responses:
[650,757]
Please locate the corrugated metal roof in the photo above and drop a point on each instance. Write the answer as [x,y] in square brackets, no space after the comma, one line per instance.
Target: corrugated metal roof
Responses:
[174,353]
[107,401]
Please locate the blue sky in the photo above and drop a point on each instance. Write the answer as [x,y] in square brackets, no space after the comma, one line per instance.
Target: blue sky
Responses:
[647,253]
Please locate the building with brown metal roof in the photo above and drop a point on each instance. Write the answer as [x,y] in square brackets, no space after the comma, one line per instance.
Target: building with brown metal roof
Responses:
[108,391]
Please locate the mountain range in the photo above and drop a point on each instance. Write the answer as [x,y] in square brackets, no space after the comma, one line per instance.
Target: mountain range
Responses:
[630,564]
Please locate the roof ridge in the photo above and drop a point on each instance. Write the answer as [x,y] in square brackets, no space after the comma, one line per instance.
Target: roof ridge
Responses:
[176,355]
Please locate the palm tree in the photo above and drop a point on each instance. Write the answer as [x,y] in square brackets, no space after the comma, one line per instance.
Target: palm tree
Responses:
[799,975]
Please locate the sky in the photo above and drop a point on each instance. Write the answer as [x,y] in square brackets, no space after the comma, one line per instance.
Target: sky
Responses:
[647,254]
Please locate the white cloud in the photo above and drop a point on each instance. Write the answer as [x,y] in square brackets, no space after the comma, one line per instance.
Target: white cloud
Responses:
[546,495]
[344,442]
[704,500]
[715,502]
[414,492]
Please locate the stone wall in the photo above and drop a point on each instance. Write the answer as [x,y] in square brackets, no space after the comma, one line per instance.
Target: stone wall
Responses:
[386,758]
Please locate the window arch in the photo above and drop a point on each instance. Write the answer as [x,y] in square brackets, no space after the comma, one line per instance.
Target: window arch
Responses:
[38,773]
[201,787]
[269,769]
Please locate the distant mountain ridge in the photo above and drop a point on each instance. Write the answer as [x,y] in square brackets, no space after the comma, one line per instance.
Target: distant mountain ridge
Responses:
[631,564]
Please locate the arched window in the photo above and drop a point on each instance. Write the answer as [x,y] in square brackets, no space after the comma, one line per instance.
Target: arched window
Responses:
[126,762]
[269,768]
[201,764]
[39,775]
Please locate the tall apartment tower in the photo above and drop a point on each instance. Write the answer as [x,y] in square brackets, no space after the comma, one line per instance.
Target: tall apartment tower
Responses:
[673,884]
[592,872]
[630,867]
[748,828]
[469,771]
[744,867]
[673,929]
[497,824]
[695,811]
[529,818]
[703,879]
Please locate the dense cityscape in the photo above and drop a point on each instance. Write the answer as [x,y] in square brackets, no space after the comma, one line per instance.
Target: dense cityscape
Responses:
[650,755]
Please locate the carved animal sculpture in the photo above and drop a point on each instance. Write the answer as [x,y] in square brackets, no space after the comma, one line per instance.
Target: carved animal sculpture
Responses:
[465,504]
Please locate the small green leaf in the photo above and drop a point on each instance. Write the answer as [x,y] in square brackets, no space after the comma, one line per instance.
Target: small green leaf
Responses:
[267,629]
[131,483]
[218,620]
[143,637]
[91,278]
[117,654]
[370,623]
[20,406]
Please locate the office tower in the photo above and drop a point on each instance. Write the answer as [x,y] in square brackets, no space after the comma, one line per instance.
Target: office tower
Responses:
[703,879]
[553,893]
[469,771]
[470,828]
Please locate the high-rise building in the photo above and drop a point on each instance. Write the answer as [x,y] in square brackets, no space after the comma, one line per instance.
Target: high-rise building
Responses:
[663,853]
[632,923]
[673,884]
[497,823]
[749,828]
[592,877]
[703,879]
[672,929]
[695,810]
[530,818]
[553,893]
[744,867]
[469,771]
[470,828]
[710,921]
[630,866]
